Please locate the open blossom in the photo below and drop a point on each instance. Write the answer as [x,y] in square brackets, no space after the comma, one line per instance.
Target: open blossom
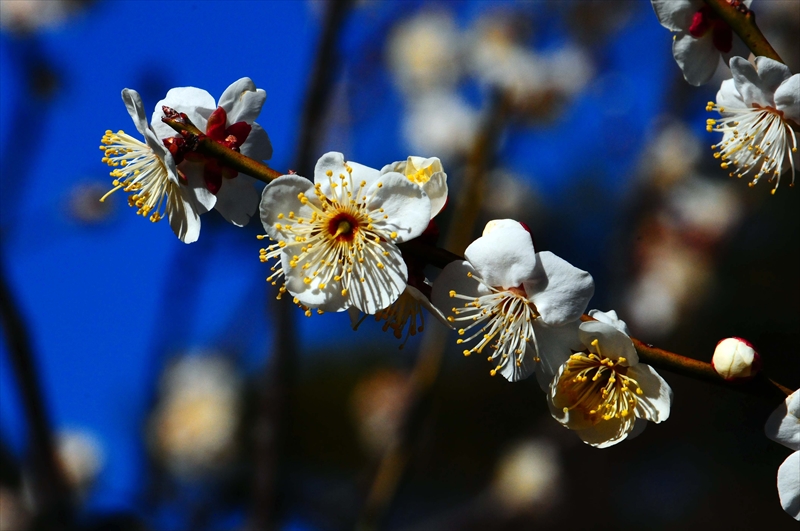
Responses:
[783,427]
[760,110]
[428,174]
[230,122]
[701,37]
[336,238]
[516,301]
[147,171]
[602,391]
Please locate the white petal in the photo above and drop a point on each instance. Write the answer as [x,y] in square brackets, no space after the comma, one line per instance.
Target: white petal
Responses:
[515,373]
[748,83]
[436,188]
[783,425]
[503,257]
[559,290]
[610,317]
[638,428]
[675,15]
[789,485]
[608,432]
[787,98]
[183,216]
[329,299]
[242,101]
[655,402]
[613,344]
[728,96]
[698,58]
[405,206]
[772,73]
[280,197]
[427,304]
[133,102]
[237,199]
[454,277]
[257,146]
[380,286]
[556,344]
[196,103]
[193,171]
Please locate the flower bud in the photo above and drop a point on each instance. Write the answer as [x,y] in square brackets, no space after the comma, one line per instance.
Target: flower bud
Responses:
[736,359]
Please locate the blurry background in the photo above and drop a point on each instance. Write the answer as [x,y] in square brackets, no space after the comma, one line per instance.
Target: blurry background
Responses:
[152,355]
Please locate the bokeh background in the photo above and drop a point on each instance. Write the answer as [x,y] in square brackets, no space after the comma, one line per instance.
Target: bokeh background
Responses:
[153,355]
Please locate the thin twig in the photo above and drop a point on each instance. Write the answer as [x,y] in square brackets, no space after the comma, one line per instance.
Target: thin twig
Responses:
[742,20]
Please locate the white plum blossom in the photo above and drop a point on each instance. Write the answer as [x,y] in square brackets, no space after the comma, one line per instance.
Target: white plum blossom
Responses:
[336,238]
[521,303]
[760,110]
[231,122]
[783,427]
[736,359]
[701,37]
[427,173]
[602,392]
[148,172]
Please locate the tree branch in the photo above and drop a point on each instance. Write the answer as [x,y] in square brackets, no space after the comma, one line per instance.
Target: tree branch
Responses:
[742,20]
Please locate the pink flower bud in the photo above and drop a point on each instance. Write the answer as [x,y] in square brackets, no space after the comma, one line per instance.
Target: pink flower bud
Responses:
[736,359]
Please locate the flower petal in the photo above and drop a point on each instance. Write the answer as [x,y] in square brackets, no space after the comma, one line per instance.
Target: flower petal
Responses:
[504,256]
[375,288]
[559,290]
[556,344]
[193,171]
[257,146]
[772,73]
[675,15]
[748,83]
[787,98]
[436,188]
[196,103]
[423,300]
[237,200]
[182,214]
[455,277]
[698,58]
[783,425]
[406,208]
[242,101]
[133,102]
[654,404]
[515,373]
[608,432]
[610,317]
[789,485]
[280,197]
[728,96]
[328,299]
[612,343]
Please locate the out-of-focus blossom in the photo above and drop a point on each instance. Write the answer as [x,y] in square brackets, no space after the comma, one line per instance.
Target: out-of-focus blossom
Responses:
[516,301]
[701,37]
[230,122]
[31,15]
[337,237]
[528,476]
[442,123]
[783,427]
[736,359]
[14,514]
[760,110]
[378,404]
[81,458]
[193,428]
[672,155]
[424,52]
[148,172]
[602,392]
[703,207]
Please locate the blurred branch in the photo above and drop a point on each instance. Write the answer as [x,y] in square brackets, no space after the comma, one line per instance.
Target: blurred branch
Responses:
[51,494]
[273,426]
[199,142]
[742,20]
[425,375]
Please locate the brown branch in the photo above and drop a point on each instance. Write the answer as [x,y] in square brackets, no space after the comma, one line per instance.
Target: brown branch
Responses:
[743,21]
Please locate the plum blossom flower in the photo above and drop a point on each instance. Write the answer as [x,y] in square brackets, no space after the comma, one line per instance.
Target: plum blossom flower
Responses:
[783,427]
[760,110]
[701,37]
[518,302]
[735,359]
[147,171]
[231,123]
[336,237]
[602,391]
[427,174]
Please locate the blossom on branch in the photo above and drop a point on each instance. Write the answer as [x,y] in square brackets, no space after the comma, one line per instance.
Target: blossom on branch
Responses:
[147,171]
[230,122]
[336,238]
[428,174]
[602,391]
[701,37]
[760,110]
[735,359]
[783,427]
[518,302]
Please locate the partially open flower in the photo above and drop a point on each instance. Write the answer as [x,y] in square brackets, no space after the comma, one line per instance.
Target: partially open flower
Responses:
[783,427]
[602,392]
[760,110]
[736,359]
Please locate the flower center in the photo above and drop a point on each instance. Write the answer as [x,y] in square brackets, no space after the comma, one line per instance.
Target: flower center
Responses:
[504,316]
[343,227]
[420,176]
[140,172]
[706,20]
[598,387]
[757,140]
